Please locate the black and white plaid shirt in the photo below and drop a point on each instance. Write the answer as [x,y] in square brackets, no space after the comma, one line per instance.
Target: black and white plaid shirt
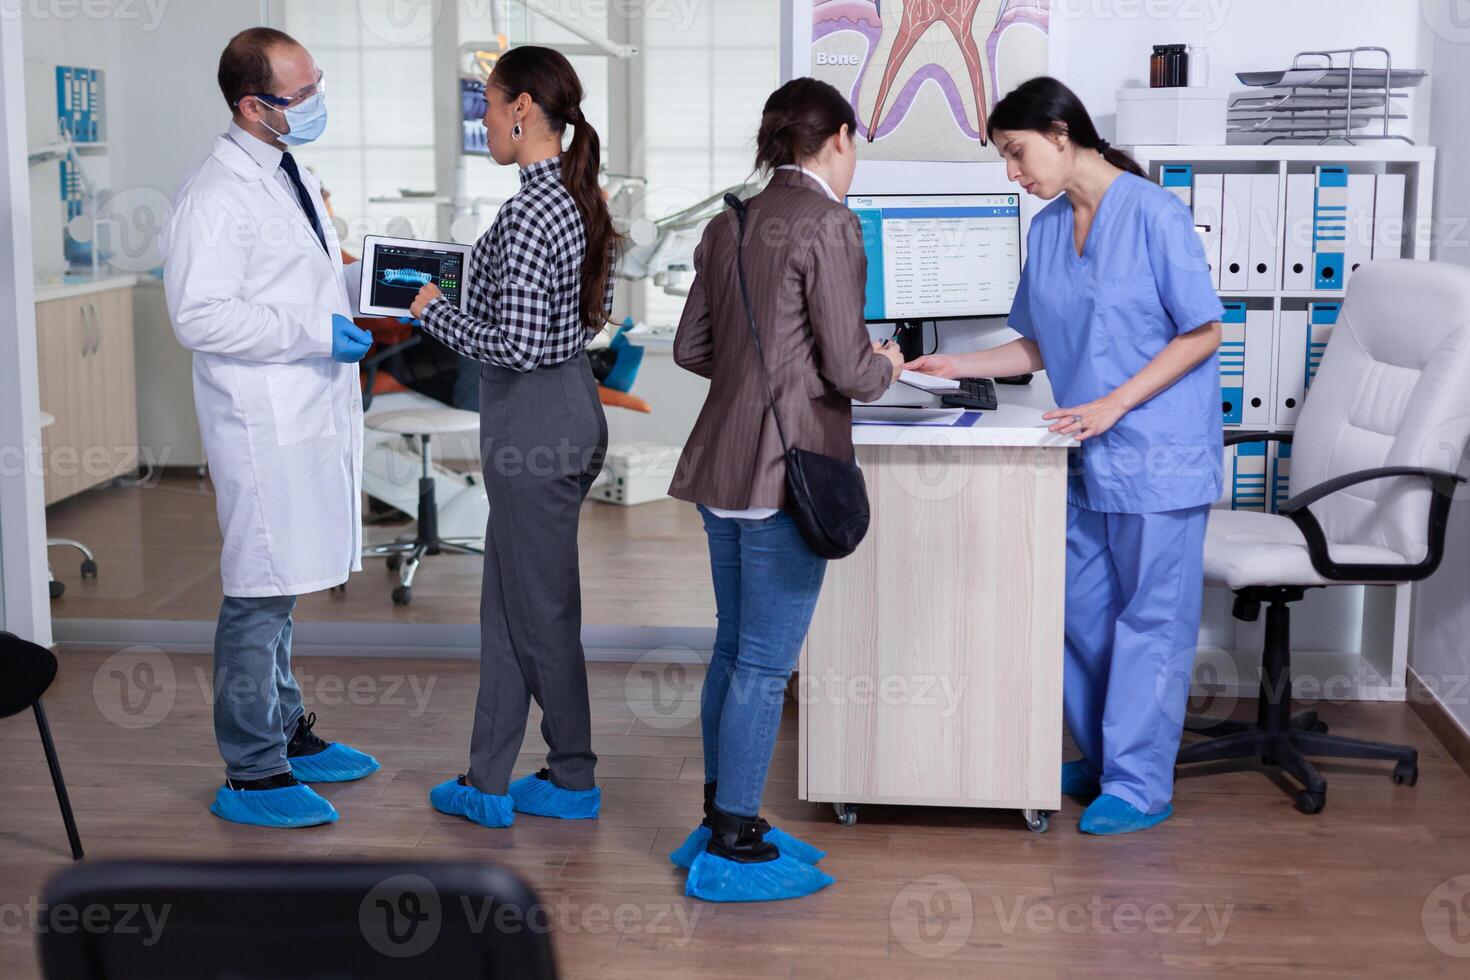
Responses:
[524,281]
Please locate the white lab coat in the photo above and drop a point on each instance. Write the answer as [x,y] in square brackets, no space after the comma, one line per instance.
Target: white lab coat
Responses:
[252,294]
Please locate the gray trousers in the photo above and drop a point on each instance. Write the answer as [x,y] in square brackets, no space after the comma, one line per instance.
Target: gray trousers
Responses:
[256,700]
[543,437]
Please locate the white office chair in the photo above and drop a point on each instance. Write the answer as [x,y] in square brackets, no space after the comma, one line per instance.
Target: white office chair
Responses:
[405,554]
[89,561]
[1374,465]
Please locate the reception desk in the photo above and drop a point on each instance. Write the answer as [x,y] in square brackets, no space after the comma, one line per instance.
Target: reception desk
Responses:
[932,672]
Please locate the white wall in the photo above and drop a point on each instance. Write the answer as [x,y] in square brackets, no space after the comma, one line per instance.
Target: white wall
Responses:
[1109,41]
[1438,651]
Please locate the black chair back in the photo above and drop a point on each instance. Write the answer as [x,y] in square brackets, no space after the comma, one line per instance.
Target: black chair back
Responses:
[26,671]
[295,920]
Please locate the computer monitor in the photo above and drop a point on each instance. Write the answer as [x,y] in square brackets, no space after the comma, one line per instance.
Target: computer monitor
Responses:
[939,256]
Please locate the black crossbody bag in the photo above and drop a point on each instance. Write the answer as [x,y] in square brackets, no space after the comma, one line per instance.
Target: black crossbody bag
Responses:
[826,497]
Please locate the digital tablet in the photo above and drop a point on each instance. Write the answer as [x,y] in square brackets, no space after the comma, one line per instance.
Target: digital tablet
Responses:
[394,269]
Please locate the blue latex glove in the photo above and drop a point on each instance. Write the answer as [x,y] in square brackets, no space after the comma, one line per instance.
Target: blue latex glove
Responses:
[416,324]
[349,341]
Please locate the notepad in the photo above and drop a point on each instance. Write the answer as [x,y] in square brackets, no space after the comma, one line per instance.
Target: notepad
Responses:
[928,382]
[884,415]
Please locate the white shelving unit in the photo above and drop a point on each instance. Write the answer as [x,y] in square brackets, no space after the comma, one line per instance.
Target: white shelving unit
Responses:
[1351,643]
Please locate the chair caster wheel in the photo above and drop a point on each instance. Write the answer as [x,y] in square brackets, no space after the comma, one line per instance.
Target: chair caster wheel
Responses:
[846,813]
[1318,726]
[1406,773]
[57,588]
[89,568]
[340,588]
[394,563]
[402,595]
[1309,802]
[1037,821]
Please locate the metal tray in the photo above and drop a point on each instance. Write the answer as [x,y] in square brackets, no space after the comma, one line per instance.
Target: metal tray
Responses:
[1332,78]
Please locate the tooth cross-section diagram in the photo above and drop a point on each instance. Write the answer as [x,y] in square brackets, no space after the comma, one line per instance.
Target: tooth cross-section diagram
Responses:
[406,277]
[958,17]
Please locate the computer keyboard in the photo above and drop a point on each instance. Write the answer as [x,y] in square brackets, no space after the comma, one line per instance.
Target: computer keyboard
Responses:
[974,393]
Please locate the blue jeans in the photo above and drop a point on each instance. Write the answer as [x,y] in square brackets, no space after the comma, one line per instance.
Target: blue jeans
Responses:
[256,700]
[766,586]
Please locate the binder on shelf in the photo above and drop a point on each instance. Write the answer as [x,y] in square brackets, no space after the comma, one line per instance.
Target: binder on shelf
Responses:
[1388,217]
[1232,363]
[1248,477]
[1329,227]
[1322,317]
[1179,178]
[1260,343]
[1235,232]
[1291,366]
[1296,234]
[1262,244]
[1280,474]
[1358,248]
[1209,194]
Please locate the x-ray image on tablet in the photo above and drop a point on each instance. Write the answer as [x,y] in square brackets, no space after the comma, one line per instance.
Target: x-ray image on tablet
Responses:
[395,269]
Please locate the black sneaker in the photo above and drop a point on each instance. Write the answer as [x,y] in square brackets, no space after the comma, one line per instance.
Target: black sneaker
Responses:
[304,741]
[280,780]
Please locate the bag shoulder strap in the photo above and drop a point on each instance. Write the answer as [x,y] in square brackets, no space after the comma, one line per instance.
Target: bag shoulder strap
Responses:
[740,208]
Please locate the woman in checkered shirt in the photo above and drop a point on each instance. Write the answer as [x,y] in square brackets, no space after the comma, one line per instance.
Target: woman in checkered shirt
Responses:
[538,287]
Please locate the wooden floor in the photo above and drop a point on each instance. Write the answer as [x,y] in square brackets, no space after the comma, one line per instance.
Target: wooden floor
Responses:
[1236,883]
[158,554]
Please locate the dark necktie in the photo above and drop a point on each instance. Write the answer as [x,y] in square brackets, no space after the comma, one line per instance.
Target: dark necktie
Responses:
[303,196]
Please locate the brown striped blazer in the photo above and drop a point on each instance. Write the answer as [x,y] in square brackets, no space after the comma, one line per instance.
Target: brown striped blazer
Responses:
[806,271]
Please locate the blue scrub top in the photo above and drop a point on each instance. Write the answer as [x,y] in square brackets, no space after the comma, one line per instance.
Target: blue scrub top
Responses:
[1100,317]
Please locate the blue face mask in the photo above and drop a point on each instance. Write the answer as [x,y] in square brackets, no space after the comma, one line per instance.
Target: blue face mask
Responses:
[307,121]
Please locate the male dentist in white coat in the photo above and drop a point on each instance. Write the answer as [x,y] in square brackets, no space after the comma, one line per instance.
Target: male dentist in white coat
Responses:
[256,290]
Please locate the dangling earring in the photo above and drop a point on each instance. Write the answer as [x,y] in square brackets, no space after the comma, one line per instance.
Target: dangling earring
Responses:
[515,132]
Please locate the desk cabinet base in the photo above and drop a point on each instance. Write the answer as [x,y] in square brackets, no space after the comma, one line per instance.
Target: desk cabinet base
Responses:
[932,672]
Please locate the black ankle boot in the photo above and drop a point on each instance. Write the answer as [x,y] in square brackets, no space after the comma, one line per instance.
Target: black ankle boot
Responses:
[740,839]
[709,803]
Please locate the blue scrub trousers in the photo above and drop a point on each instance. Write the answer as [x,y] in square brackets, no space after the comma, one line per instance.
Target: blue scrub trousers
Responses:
[1134,586]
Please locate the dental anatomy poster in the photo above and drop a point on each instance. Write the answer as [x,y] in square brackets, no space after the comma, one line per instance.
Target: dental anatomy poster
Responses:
[922,75]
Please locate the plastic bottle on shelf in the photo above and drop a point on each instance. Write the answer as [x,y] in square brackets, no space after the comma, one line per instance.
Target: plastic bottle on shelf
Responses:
[1199,66]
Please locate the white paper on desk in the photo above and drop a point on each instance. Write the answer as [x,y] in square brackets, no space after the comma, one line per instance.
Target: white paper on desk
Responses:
[885,415]
[928,381]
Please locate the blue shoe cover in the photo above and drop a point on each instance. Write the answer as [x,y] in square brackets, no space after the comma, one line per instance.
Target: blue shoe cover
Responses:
[289,806]
[683,856]
[543,798]
[1078,780]
[717,879]
[789,846]
[1110,815]
[462,800]
[337,763]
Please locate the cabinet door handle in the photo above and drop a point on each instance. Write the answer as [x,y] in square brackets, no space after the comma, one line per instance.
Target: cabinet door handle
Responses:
[96,328]
[86,330]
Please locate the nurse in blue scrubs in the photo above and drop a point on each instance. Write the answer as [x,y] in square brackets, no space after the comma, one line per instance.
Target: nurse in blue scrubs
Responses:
[1115,303]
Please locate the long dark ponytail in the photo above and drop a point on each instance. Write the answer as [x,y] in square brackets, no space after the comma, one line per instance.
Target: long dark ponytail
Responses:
[552,83]
[1045,105]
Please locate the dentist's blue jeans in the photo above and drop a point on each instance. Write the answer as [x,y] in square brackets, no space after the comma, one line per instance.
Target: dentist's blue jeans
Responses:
[256,700]
[766,585]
